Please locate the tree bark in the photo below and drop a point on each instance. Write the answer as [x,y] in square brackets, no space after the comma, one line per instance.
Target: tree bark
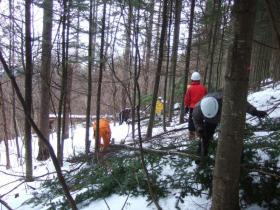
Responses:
[187,66]
[227,168]
[159,67]
[43,153]
[216,13]
[146,69]
[67,106]
[63,92]
[126,74]
[90,62]
[174,56]
[6,137]
[100,77]
[28,92]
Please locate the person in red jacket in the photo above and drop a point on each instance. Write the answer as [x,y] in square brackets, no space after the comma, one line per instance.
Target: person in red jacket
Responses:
[195,92]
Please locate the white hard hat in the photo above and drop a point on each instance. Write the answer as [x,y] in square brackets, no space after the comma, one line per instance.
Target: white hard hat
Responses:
[209,107]
[195,76]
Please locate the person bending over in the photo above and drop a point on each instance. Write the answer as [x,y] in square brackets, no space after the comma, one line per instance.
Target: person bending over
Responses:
[104,133]
[207,115]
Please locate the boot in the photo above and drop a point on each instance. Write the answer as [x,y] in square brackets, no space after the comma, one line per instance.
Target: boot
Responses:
[191,135]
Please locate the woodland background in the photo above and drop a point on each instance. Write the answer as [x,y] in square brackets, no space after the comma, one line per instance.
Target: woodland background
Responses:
[98,57]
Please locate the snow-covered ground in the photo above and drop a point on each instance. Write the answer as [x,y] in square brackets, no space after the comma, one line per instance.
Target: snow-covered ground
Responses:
[14,191]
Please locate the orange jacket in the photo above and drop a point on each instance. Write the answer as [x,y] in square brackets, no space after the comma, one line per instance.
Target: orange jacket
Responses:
[104,132]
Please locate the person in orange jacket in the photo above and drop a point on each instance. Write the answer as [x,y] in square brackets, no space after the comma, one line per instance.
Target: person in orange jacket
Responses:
[104,133]
[193,95]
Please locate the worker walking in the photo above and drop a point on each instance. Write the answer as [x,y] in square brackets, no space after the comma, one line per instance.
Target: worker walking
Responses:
[193,95]
[159,108]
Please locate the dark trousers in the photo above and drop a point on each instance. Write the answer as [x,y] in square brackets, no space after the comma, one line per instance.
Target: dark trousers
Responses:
[191,125]
[207,136]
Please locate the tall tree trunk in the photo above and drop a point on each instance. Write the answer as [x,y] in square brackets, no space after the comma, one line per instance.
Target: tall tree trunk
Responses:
[159,67]
[157,32]
[146,70]
[70,200]
[100,77]
[216,13]
[167,56]
[136,97]
[63,92]
[188,56]
[178,9]
[6,137]
[43,153]
[210,11]
[127,57]
[221,50]
[90,62]
[227,167]
[273,20]
[67,105]
[28,92]
[11,62]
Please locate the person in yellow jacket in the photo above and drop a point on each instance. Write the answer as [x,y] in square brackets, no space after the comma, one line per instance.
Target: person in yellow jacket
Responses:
[104,132]
[159,108]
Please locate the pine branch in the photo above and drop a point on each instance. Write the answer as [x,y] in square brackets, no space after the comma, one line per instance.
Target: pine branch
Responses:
[155,151]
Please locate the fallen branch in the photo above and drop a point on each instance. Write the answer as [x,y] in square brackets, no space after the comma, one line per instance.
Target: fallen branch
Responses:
[159,135]
[155,151]
[5,204]
[12,189]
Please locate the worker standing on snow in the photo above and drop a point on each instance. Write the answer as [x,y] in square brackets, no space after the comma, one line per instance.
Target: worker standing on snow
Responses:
[207,115]
[124,116]
[159,108]
[193,95]
[104,133]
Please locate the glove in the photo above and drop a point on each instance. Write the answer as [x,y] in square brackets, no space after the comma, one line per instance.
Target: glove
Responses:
[261,114]
[186,110]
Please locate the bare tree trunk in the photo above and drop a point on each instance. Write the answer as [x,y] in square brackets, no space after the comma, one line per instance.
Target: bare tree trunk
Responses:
[127,56]
[167,52]
[6,137]
[101,68]
[137,71]
[63,92]
[221,51]
[178,9]
[209,12]
[67,106]
[146,70]
[28,92]
[216,13]
[274,22]
[227,167]
[11,62]
[90,62]
[43,153]
[188,55]
[70,200]
[159,67]
[157,32]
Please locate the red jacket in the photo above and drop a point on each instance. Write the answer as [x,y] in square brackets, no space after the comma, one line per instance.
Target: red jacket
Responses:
[194,94]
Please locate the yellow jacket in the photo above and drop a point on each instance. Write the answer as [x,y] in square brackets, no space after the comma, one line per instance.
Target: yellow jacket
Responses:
[159,107]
